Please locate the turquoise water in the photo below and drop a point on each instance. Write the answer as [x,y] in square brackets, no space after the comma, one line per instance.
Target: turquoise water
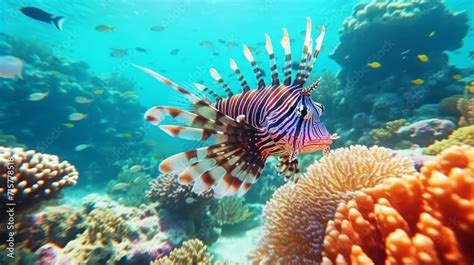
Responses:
[117,153]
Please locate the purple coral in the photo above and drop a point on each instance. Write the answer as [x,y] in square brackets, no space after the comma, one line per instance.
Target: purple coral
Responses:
[425,132]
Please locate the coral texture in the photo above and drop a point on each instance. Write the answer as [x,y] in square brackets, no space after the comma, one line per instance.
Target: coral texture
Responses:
[178,199]
[466,108]
[463,135]
[425,218]
[296,216]
[34,176]
[192,252]
[425,132]
[230,210]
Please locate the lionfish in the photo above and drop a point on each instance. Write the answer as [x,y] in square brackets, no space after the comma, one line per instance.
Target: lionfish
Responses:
[244,129]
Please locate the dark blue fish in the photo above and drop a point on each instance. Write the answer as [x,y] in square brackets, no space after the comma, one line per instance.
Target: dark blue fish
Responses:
[40,15]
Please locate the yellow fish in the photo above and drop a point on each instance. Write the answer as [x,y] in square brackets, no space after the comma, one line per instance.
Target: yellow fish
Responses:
[128,94]
[77,116]
[69,125]
[423,58]
[457,77]
[37,96]
[374,65]
[432,34]
[98,91]
[82,100]
[418,81]
[470,89]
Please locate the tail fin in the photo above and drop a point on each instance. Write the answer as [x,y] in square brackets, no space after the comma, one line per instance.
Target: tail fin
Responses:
[58,22]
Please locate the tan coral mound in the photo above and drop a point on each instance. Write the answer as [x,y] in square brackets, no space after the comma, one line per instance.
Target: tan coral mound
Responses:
[192,252]
[425,218]
[466,108]
[296,216]
[34,177]
[230,210]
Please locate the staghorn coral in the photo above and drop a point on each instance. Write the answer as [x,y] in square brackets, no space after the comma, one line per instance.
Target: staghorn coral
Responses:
[178,199]
[192,252]
[466,108]
[463,135]
[35,177]
[422,218]
[230,210]
[296,216]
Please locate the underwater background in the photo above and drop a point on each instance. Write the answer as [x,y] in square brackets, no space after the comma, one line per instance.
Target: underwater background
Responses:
[397,84]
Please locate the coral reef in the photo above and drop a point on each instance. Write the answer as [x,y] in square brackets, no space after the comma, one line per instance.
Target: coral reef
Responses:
[132,180]
[449,106]
[115,234]
[296,216]
[425,132]
[385,29]
[466,109]
[32,177]
[417,219]
[106,102]
[192,252]
[230,210]
[176,198]
[388,134]
[463,135]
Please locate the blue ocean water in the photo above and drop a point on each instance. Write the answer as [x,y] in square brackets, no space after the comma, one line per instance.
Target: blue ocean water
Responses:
[117,153]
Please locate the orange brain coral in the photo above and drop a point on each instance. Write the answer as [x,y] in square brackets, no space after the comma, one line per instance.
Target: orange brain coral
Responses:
[425,218]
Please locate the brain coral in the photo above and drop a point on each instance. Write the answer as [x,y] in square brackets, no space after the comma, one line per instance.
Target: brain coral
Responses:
[296,216]
[425,218]
[178,199]
[192,252]
[35,177]
[463,135]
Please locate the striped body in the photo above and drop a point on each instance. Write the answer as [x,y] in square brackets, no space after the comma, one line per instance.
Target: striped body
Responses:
[244,129]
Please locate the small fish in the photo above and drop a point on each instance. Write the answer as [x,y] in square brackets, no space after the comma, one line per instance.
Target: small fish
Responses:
[140,49]
[82,100]
[135,168]
[43,16]
[82,147]
[431,34]
[104,28]
[118,53]
[374,65]
[11,67]
[215,54]
[77,116]
[231,44]
[37,96]
[128,94]
[405,52]
[157,28]
[190,200]
[457,77]
[206,44]
[174,52]
[69,125]
[422,58]
[121,186]
[98,91]
[470,88]
[418,81]
[221,41]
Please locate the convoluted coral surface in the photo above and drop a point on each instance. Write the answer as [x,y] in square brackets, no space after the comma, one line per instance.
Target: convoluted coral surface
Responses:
[425,218]
[297,215]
